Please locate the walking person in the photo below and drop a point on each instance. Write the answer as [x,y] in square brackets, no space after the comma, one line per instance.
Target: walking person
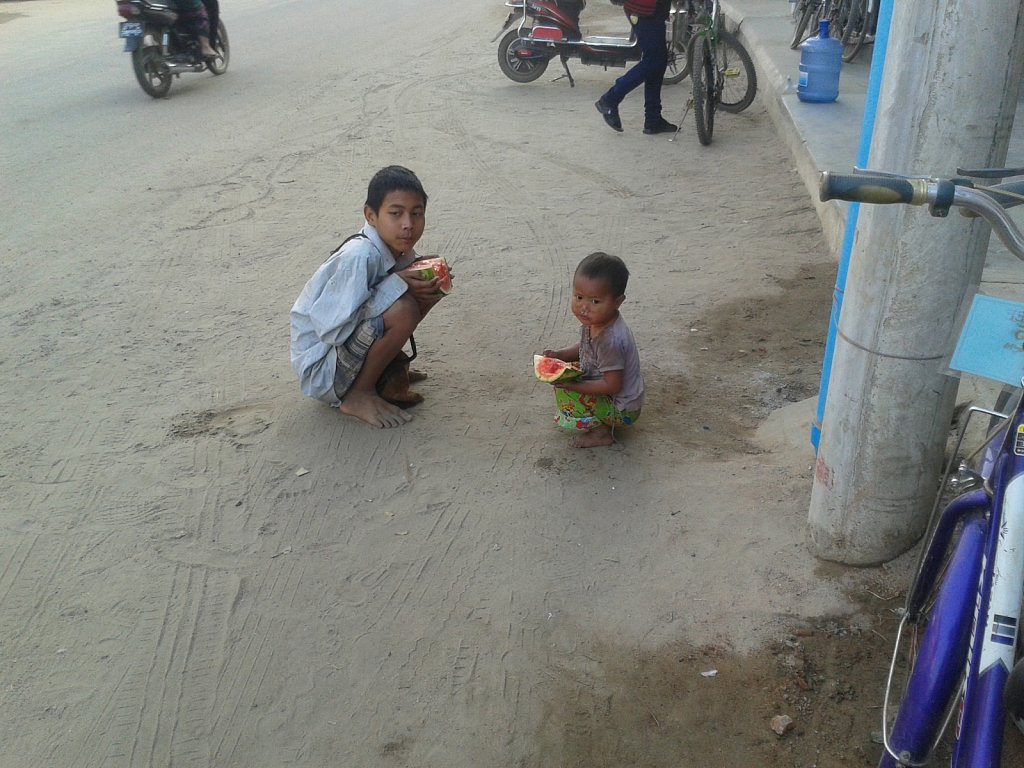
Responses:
[648,18]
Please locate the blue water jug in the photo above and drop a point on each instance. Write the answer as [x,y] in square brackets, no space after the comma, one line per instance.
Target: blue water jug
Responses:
[820,60]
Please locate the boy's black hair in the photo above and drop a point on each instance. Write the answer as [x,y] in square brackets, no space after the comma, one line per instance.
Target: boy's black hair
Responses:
[603,266]
[391,179]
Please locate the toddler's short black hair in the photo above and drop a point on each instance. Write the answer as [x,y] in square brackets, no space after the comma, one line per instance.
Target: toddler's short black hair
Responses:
[391,179]
[603,266]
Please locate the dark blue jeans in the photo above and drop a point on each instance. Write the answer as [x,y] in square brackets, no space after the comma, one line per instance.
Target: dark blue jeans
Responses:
[650,70]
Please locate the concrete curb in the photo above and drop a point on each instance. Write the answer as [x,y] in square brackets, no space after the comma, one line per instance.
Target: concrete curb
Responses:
[819,136]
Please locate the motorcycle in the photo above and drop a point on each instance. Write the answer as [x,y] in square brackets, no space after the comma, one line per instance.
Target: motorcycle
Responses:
[550,28]
[162,47]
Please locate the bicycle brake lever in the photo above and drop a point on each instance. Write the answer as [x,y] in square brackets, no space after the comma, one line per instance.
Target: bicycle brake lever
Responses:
[990,173]
[858,171]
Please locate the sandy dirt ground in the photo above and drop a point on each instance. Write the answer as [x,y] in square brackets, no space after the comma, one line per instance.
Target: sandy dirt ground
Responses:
[199,567]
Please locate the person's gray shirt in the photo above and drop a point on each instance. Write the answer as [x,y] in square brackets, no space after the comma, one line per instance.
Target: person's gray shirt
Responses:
[614,350]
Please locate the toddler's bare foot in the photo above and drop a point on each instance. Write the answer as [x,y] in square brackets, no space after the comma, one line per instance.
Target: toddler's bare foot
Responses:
[595,437]
[374,410]
[415,375]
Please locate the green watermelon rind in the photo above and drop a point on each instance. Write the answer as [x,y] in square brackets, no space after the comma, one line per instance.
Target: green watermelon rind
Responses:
[426,272]
[570,372]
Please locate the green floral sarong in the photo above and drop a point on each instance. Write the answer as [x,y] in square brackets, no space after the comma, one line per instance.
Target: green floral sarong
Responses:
[584,412]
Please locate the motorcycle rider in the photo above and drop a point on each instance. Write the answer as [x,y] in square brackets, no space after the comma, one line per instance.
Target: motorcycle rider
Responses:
[648,18]
[213,13]
[193,12]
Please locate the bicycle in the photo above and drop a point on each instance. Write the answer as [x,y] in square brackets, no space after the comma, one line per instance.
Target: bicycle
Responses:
[720,68]
[859,25]
[806,17]
[852,22]
[963,606]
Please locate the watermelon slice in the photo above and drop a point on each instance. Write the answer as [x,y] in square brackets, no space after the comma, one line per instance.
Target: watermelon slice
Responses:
[435,266]
[553,370]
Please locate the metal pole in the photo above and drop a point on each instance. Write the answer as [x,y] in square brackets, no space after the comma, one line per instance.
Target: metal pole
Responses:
[952,77]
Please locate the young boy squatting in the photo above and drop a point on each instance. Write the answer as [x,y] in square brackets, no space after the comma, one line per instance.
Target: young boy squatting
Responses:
[361,306]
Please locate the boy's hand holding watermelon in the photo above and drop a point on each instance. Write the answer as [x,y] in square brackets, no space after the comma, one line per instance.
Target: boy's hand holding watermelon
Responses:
[429,280]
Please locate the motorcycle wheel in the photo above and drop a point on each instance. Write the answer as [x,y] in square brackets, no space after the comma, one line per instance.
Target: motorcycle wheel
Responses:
[149,71]
[219,65]
[678,48]
[515,68]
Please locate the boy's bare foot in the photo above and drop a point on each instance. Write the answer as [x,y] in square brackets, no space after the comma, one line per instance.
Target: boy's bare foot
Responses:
[415,375]
[374,410]
[597,436]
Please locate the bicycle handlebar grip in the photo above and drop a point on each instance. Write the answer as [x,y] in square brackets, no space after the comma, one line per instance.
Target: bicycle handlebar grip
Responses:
[866,188]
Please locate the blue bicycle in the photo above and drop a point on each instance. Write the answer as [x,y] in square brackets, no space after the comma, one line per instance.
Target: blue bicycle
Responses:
[960,623]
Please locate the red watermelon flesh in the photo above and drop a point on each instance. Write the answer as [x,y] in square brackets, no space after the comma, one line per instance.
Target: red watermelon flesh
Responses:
[432,267]
[553,370]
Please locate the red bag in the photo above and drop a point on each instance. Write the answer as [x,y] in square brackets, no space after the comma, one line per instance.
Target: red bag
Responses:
[640,7]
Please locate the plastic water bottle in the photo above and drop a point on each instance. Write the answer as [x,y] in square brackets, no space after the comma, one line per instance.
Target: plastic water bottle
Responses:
[821,58]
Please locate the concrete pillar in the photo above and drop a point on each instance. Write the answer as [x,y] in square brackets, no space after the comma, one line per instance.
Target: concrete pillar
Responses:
[948,98]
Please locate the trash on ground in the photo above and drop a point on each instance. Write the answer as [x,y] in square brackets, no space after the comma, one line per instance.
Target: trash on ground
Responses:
[782,724]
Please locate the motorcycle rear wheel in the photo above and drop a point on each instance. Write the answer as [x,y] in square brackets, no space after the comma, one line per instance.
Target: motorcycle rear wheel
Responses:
[515,68]
[679,36]
[219,65]
[149,71]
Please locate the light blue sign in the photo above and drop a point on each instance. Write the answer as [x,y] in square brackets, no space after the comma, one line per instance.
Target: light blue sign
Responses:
[991,342]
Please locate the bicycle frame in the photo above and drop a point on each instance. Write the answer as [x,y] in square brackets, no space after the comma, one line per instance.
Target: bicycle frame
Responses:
[968,648]
[979,730]
[707,18]
[990,521]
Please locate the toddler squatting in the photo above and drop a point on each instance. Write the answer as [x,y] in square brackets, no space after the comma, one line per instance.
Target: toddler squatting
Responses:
[611,391]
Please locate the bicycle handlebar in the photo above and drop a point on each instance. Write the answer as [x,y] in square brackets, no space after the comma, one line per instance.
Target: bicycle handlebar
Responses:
[871,188]
[940,194]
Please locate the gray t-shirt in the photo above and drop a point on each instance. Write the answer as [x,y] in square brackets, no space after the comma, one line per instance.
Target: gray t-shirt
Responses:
[614,350]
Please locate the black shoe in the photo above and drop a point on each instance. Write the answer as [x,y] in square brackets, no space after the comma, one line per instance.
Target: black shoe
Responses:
[609,113]
[662,126]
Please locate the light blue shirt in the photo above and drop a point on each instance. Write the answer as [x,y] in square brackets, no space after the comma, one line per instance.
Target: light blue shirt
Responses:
[356,283]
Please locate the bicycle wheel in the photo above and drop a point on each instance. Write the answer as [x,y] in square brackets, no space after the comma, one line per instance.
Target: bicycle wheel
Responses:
[868,27]
[678,37]
[836,15]
[855,30]
[702,74]
[807,10]
[943,624]
[738,81]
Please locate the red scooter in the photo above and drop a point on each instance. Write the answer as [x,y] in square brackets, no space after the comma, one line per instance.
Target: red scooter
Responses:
[550,28]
